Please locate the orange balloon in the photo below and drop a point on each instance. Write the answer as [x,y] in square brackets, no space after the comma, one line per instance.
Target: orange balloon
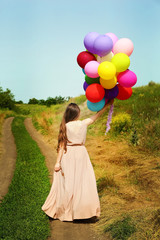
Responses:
[108,84]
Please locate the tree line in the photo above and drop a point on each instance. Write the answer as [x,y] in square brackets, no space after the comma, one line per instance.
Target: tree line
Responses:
[7,100]
[50,101]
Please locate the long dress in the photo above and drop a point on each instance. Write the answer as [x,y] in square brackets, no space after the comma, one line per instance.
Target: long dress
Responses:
[73,195]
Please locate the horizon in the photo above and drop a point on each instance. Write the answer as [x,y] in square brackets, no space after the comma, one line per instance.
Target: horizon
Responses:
[77,95]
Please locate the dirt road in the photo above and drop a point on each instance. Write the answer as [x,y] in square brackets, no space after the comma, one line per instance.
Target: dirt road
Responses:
[8,158]
[61,230]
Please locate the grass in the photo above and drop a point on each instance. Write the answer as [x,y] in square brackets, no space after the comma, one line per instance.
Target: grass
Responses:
[20,213]
[121,229]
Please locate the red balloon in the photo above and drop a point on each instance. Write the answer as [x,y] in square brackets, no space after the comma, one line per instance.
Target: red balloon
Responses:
[85,57]
[95,92]
[124,93]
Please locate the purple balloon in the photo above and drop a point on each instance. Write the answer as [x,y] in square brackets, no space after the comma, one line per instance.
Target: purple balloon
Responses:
[111,93]
[89,41]
[103,45]
[85,85]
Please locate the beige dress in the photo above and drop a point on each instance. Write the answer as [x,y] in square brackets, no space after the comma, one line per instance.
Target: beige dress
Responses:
[74,195]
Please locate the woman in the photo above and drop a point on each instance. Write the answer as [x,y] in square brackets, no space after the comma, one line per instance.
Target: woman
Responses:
[73,194]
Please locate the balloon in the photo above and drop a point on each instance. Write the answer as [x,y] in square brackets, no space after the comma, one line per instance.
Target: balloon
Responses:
[91,69]
[111,93]
[123,45]
[91,80]
[83,71]
[95,107]
[108,58]
[95,92]
[89,41]
[102,45]
[85,57]
[124,93]
[127,78]
[85,85]
[113,37]
[106,100]
[121,62]
[108,84]
[106,70]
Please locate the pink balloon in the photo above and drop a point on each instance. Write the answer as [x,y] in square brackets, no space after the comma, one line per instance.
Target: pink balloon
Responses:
[91,69]
[127,79]
[113,37]
[123,45]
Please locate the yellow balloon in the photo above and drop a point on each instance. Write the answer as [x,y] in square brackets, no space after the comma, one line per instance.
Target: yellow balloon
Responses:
[121,62]
[106,70]
[108,84]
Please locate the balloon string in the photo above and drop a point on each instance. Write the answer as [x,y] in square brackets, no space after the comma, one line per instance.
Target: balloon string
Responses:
[109,119]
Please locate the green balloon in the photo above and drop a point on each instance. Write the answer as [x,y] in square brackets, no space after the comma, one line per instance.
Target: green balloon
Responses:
[91,80]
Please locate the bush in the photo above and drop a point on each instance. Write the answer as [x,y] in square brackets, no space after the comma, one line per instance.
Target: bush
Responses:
[151,83]
[33,101]
[121,122]
[19,102]
[7,99]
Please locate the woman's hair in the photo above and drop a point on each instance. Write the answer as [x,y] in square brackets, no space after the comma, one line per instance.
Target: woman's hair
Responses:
[71,113]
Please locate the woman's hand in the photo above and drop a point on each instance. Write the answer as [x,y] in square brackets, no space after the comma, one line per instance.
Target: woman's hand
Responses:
[57,167]
[110,102]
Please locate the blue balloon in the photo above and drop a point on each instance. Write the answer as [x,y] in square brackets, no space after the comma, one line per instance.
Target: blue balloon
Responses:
[95,107]
[83,71]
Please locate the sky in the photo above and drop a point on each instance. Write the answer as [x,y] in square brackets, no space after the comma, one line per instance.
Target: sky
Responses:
[40,41]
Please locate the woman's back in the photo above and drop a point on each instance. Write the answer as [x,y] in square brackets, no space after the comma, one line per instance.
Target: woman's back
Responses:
[76,131]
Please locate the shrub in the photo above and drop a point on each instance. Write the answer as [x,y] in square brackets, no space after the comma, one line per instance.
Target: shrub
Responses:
[121,122]
[151,83]
[33,101]
[122,229]
[7,99]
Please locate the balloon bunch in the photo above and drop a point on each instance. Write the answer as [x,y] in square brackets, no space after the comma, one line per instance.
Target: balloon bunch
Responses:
[105,64]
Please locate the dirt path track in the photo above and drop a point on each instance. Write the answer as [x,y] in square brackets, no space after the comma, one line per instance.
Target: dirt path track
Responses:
[60,230]
[8,158]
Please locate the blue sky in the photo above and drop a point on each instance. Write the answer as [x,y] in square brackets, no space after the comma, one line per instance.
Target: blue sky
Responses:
[40,41]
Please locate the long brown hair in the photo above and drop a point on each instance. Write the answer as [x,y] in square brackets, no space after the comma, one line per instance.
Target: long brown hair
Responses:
[71,113]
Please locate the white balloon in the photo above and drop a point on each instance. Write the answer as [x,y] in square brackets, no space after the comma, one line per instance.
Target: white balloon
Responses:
[108,57]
